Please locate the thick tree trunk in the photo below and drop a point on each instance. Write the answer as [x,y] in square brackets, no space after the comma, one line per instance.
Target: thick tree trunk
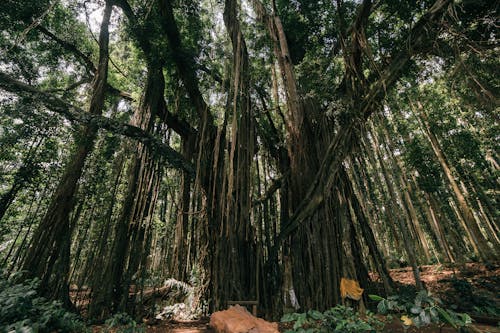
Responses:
[315,167]
[50,242]
[312,264]
[237,270]
[111,292]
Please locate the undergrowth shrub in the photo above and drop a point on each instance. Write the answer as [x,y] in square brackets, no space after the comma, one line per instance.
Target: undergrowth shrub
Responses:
[23,310]
[122,323]
[467,298]
[339,319]
[422,310]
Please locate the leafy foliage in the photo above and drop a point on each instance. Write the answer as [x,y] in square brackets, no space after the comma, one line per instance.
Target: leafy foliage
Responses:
[336,319]
[420,156]
[423,310]
[465,298]
[23,310]
[123,323]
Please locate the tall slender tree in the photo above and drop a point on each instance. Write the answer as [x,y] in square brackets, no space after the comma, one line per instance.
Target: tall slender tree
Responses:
[48,255]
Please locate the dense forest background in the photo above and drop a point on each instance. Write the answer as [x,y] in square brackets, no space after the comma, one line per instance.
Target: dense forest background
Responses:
[255,150]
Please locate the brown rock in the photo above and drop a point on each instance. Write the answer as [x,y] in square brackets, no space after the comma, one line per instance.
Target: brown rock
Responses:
[238,320]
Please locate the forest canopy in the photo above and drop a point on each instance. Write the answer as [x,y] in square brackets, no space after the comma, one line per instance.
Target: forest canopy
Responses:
[252,150]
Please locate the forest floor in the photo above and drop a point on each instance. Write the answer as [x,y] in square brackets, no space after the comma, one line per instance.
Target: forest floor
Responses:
[471,288]
[200,326]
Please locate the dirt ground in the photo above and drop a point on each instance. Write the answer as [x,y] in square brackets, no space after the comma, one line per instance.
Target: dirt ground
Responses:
[195,326]
[437,277]
[394,327]
[465,288]
[181,327]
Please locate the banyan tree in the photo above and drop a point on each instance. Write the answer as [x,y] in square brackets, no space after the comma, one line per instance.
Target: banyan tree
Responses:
[257,150]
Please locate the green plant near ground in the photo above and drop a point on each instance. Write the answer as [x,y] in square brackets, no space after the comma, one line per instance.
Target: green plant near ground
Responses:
[345,319]
[423,310]
[23,310]
[337,319]
[467,299]
[122,323]
[304,322]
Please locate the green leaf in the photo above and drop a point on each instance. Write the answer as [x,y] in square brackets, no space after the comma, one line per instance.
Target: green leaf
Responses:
[466,319]
[375,298]
[446,316]
[426,319]
[315,314]
[392,305]
[416,309]
[382,307]
[288,317]
[301,320]
[434,313]
[417,321]
[298,324]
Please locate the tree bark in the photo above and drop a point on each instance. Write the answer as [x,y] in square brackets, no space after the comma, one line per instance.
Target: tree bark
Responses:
[112,295]
[48,255]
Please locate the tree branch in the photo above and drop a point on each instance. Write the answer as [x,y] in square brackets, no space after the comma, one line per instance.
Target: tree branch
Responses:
[71,86]
[275,186]
[85,59]
[75,114]
[181,127]
[185,63]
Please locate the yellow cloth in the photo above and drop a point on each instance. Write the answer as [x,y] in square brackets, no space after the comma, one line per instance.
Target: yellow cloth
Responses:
[351,289]
[406,320]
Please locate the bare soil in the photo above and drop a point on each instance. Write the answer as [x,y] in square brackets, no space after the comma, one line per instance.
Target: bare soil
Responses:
[200,326]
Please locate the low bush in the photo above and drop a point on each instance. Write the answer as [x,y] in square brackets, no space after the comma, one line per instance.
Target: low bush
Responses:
[122,323]
[467,298]
[335,320]
[23,310]
[423,310]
